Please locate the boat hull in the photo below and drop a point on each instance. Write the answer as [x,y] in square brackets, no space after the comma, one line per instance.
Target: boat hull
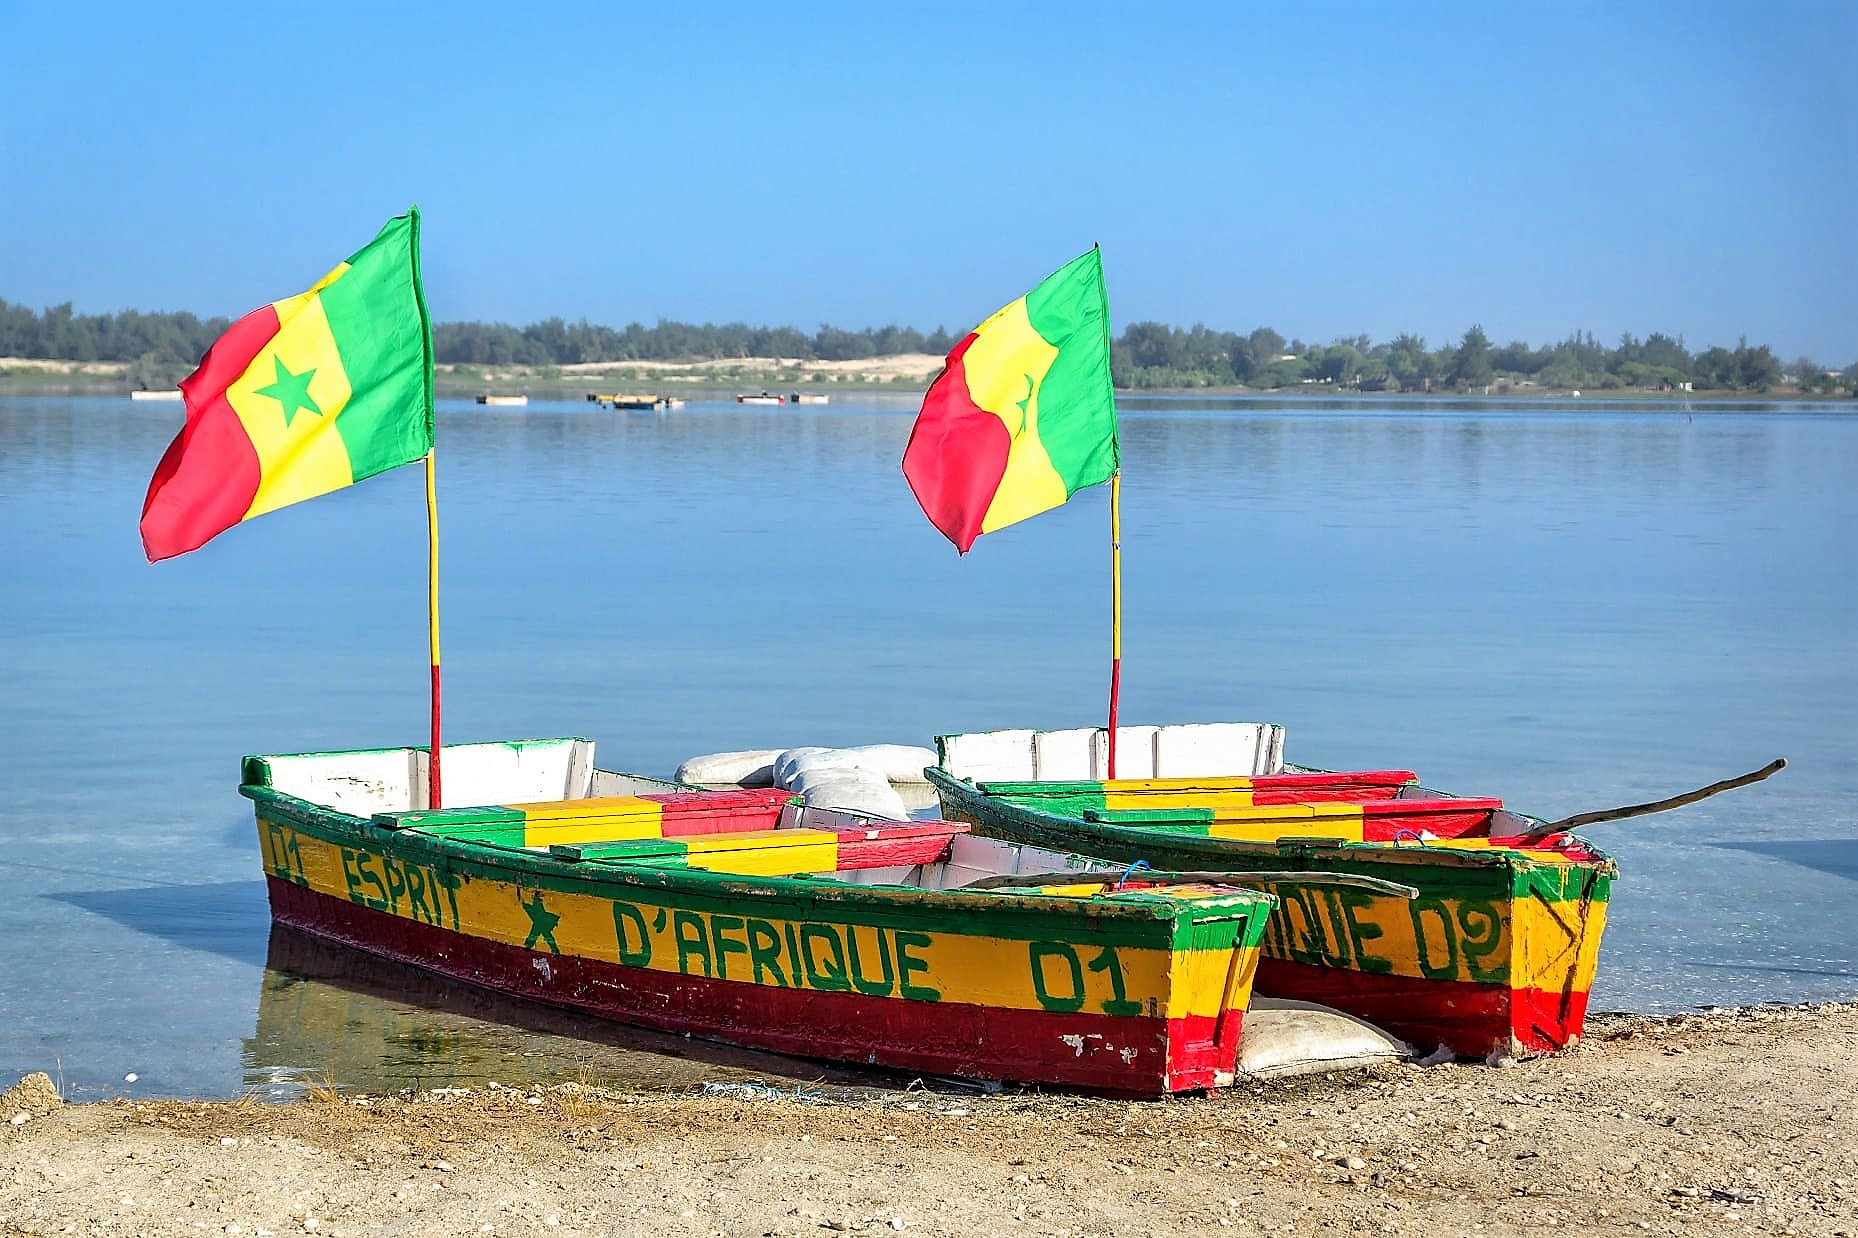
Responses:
[1496,955]
[1023,988]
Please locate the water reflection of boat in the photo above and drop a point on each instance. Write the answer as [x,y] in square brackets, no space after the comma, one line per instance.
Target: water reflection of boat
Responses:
[331,1013]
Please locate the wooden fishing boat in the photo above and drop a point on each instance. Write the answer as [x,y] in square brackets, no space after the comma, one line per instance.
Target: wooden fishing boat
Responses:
[764,398]
[746,917]
[1497,954]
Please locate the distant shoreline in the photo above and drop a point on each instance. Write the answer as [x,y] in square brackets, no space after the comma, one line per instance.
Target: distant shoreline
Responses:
[905,374]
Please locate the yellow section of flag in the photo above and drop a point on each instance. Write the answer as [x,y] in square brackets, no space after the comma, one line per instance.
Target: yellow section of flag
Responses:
[288,400]
[1005,366]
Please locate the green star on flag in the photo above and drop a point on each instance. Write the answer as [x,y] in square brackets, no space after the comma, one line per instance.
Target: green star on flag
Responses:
[292,391]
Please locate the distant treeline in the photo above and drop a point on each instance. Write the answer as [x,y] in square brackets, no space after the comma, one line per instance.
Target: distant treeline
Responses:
[1149,355]
[1153,355]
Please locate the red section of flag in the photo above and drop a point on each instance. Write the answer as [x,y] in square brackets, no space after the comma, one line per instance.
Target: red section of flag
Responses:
[208,476]
[957,454]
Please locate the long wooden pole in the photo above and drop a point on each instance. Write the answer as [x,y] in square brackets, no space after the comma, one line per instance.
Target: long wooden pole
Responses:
[433,798]
[1116,606]
[1664,805]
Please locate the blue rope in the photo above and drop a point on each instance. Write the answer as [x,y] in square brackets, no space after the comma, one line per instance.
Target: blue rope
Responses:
[1413,834]
[1130,871]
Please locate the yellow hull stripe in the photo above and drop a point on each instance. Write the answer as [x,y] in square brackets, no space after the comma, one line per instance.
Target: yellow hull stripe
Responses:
[773,949]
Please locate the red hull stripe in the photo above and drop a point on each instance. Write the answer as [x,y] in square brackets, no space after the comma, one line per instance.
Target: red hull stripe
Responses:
[209,475]
[1099,1053]
[1469,1018]
[957,454]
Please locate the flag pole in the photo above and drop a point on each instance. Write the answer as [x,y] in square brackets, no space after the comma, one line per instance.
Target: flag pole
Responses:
[1116,606]
[432,612]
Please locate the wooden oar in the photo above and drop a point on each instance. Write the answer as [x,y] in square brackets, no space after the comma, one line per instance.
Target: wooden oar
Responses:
[1151,877]
[1641,810]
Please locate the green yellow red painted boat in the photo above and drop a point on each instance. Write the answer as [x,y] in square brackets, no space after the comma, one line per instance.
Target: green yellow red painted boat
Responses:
[1497,953]
[746,917]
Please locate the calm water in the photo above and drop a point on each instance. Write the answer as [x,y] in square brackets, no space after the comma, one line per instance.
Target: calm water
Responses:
[1571,606]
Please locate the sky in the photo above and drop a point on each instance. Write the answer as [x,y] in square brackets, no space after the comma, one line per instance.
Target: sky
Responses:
[1328,170]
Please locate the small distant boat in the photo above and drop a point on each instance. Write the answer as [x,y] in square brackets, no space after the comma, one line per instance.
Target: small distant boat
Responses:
[164,393]
[809,397]
[640,402]
[504,401]
[763,398]
[748,917]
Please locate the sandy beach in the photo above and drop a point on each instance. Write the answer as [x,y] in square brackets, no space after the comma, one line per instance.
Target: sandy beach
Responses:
[1726,1120]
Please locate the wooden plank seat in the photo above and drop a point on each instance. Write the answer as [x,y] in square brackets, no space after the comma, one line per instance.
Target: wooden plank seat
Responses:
[600,818]
[780,852]
[1374,821]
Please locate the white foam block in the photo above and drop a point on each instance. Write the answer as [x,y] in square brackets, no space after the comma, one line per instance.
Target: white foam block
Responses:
[1135,752]
[1214,749]
[981,755]
[1062,756]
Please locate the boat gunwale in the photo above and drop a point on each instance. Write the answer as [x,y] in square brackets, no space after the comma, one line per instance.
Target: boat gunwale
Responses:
[1513,859]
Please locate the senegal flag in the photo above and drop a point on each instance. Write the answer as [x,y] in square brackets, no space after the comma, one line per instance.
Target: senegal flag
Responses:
[300,397]
[1023,415]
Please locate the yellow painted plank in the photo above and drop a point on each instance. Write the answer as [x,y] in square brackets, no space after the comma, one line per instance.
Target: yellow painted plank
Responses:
[1221,783]
[1150,800]
[782,861]
[594,806]
[594,830]
[737,840]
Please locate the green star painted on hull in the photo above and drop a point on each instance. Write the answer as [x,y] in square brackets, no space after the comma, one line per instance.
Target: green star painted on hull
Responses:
[292,391]
[542,924]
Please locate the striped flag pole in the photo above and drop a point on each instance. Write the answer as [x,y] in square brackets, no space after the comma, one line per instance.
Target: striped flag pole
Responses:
[433,799]
[1116,605]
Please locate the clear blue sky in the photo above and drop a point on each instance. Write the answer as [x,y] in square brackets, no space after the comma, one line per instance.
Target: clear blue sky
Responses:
[1326,170]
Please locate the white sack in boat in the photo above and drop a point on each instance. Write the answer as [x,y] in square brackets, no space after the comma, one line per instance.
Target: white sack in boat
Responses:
[1281,1038]
[754,768]
[896,762]
[789,762]
[849,787]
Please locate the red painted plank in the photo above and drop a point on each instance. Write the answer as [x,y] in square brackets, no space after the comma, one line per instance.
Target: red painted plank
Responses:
[857,851]
[1351,787]
[1447,817]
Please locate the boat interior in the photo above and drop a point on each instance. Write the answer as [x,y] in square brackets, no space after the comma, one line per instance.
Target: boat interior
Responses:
[1372,806]
[1228,780]
[547,797]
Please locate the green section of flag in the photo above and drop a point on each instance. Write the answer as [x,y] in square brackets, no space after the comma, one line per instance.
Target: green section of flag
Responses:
[1077,404]
[377,315]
